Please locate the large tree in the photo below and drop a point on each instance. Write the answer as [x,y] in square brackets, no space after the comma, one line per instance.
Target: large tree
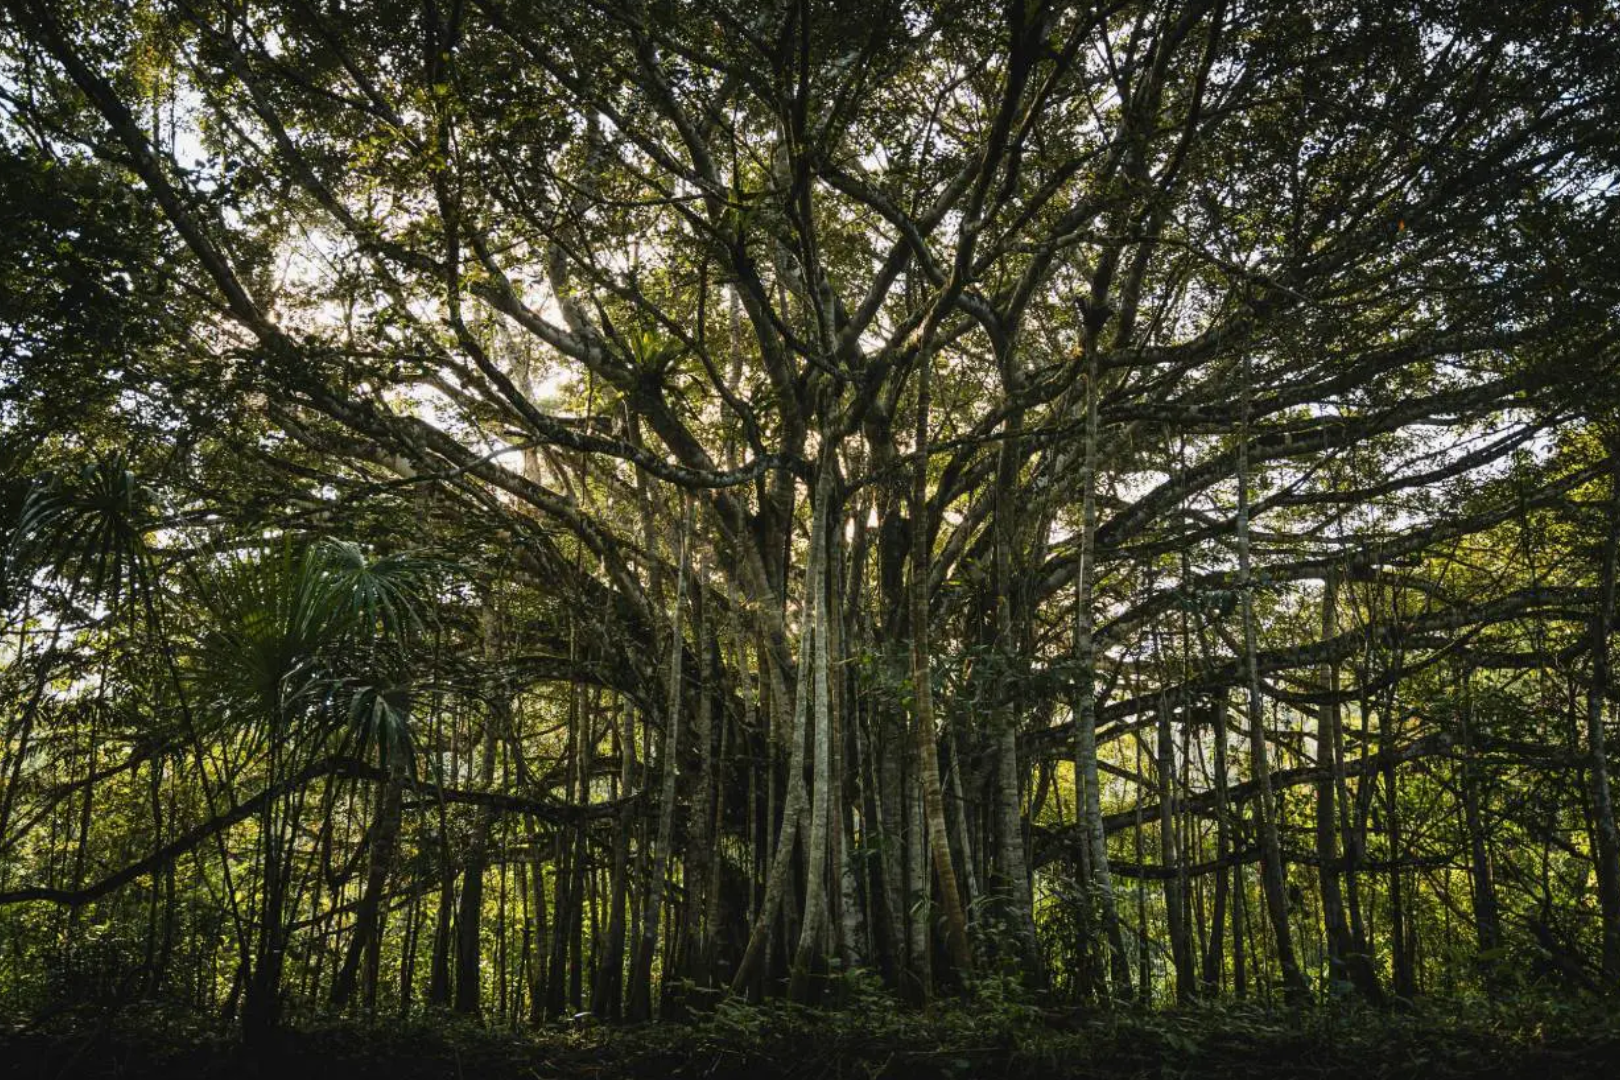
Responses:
[884,412]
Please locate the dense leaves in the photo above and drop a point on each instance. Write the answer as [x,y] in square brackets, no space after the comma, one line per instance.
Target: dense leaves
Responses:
[535,509]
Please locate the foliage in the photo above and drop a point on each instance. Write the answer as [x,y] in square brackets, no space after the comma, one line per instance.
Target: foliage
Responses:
[996,519]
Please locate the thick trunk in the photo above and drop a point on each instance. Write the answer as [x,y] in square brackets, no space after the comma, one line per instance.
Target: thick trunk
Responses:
[1088,788]
[919,936]
[964,850]
[1353,818]
[854,947]
[809,958]
[1240,922]
[470,910]
[1608,835]
[261,1004]
[753,970]
[1487,922]
[848,926]
[700,856]
[1272,876]
[563,967]
[439,963]
[554,1003]
[1175,883]
[890,814]
[1346,962]
[1008,788]
[933,794]
[1144,958]
[607,997]
[1405,979]
[1016,865]
[407,956]
[533,881]
[713,909]
[641,997]
[1213,959]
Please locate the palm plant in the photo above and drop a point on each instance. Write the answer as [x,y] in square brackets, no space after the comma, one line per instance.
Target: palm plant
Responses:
[77,543]
[295,649]
[304,653]
[88,529]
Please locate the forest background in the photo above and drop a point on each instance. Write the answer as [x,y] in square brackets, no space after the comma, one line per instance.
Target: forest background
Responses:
[531,509]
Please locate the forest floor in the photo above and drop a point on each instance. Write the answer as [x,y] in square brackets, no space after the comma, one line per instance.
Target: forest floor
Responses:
[1510,1039]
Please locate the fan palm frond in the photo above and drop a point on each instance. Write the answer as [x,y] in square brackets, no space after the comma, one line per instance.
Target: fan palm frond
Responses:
[88,529]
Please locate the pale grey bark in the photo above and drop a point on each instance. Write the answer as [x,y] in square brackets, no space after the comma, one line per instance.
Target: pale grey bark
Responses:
[1015,881]
[641,1004]
[1273,881]
[933,795]
[756,955]
[1088,786]
[810,954]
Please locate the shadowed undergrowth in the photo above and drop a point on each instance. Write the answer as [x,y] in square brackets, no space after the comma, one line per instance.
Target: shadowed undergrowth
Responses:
[1495,1039]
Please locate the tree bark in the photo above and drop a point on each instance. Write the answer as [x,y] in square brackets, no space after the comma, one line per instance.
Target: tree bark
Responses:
[261,1004]
[956,935]
[1272,876]
[809,959]
[365,941]
[1214,961]
[607,997]
[1405,980]
[754,967]
[1487,921]
[1088,787]
[1608,835]
[1015,884]
[1345,961]
[1175,883]
[641,996]
[470,910]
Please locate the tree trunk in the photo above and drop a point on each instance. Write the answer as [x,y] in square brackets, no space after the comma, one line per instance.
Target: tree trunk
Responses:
[366,940]
[809,959]
[889,813]
[1346,962]
[754,967]
[1088,787]
[700,853]
[1487,922]
[439,963]
[607,998]
[261,1004]
[640,1007]
[1175,883]
[470,912]
[1008,789]
[1400,950]
[919,894]
[1608,835]
[1213,959]
[1273,880]
[923,695]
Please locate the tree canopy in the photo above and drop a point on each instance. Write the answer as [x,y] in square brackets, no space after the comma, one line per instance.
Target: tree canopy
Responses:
[552,506]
